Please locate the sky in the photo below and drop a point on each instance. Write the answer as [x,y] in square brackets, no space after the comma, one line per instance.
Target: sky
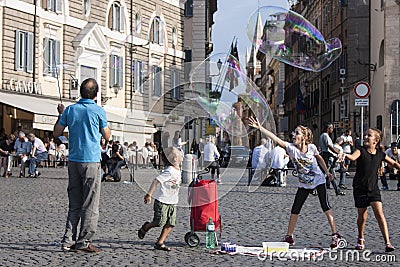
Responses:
[231,20]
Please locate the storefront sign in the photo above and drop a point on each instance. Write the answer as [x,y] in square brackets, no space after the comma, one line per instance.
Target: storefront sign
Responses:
[24,87]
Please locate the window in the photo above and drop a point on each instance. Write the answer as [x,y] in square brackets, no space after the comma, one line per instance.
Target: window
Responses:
[189,8]
[174,37]
[175,85]
[137,23]
[86,7]
[116,17]
[116,71]
[157,80]
[140,75]
[51,57]
[24,51]
[157,31]
[52,5]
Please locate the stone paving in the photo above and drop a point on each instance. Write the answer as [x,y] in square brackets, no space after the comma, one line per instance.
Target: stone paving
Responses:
[33,212]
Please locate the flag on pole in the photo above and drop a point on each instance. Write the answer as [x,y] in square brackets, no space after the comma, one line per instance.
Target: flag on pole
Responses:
[233,72]
[300,104]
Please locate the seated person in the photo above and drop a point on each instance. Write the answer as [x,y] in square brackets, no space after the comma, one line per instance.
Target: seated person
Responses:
[22,149]
[38,154]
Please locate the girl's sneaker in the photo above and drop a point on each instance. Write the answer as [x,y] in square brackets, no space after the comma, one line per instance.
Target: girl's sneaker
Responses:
[289,239]
[335,241]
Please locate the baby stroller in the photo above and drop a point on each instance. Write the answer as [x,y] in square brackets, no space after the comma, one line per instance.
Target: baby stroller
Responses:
[203,201]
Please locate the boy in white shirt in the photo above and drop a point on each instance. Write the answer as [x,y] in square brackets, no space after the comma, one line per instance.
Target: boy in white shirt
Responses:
[166,188]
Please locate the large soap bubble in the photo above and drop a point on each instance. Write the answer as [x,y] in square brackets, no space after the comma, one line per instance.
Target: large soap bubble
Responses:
[290,38]
[228,96]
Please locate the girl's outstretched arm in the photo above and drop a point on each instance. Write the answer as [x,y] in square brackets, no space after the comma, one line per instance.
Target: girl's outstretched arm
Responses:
[351,157]
[253,122]
[392,163]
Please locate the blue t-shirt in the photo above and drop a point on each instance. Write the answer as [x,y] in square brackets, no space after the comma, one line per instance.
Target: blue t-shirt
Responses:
[84,120]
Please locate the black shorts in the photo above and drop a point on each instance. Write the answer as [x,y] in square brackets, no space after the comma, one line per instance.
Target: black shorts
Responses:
[364,199]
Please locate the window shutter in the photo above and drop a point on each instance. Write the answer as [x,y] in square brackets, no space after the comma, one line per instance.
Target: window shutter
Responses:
[110,17]
[59,6]
[44,4]
[120,71]
[57,56]
[136,75]
[29,52]
[121,19]
[46,49]
[112,80]
[161,27]
[151,37]
[17,50]
[178,85]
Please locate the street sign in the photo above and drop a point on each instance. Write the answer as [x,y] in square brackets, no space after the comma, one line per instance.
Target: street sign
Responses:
[362,90]
[361,102]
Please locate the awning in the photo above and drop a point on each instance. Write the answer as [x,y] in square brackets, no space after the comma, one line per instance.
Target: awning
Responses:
[45,114]
[31,103]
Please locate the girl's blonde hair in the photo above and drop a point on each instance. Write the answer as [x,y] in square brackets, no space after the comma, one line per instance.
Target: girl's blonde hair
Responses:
[378,135]
[307,133]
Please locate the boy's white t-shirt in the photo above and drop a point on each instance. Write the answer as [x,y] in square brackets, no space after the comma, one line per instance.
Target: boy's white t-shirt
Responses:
[170,181]
[309,173]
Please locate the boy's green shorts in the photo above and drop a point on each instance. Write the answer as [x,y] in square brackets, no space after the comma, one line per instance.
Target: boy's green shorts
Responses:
[164,214]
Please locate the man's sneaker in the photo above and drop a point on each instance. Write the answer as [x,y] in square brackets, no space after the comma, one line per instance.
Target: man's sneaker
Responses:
[37,173]
[289,239]
[385,188]
[335,241]
[340,193]
[342,186]
[89,249]
[8,174]
[67,247]
[21,175]
[219,181]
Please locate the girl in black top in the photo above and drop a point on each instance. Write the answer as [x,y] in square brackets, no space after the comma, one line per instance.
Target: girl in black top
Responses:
[365,184]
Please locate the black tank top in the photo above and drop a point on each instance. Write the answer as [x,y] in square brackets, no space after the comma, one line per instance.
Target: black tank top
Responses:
[366,178]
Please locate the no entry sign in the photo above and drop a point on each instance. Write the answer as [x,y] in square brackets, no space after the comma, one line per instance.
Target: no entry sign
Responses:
[362,90]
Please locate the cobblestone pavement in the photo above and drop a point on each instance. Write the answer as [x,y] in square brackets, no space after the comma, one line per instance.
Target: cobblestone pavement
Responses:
[33,213]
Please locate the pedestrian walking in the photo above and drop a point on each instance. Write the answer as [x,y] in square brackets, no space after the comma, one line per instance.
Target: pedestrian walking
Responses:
[327,153]
[306,158]
[365,184]
[166,198]
[86,122]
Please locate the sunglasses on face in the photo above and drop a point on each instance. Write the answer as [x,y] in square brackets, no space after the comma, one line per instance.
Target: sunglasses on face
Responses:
[296,133]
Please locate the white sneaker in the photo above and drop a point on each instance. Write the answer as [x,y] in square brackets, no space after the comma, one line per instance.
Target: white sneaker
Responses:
[219,181]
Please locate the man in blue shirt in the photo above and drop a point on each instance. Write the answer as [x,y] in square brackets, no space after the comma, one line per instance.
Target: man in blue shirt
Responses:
[22,149]
[86,122]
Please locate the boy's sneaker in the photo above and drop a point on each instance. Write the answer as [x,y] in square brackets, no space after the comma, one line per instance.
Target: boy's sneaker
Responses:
[335,241]
[289,239]
[68,247]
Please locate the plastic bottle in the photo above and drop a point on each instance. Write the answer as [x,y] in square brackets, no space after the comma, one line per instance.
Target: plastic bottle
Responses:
[210,234]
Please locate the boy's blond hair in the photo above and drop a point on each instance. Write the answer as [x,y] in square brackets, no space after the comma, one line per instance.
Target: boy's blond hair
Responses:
[170,155]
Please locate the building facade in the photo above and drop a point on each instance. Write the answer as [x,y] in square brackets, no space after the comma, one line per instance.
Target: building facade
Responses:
[134,49]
